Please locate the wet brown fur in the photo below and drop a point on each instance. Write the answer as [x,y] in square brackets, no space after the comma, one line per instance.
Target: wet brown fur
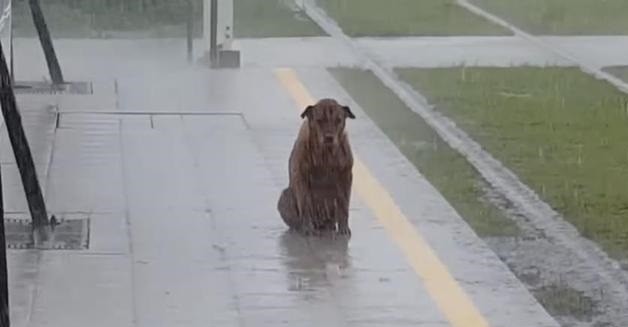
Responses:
[317,197]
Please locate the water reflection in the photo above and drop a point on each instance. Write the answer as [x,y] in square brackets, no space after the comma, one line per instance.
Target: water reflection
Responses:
[314,263]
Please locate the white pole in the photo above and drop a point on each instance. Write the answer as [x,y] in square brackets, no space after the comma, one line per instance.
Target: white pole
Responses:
[225,24]
[206,23]
[223,36]
[11,65]
[225,28]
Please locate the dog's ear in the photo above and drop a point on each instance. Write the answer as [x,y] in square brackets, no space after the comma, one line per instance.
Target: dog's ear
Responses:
[348,112]
[307,112]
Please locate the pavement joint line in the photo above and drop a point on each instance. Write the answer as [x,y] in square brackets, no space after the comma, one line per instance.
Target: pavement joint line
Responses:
[153,113]
[453,302]
[586,67]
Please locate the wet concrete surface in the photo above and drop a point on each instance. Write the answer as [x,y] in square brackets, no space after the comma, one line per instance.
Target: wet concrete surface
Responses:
[184,227]
[497,51]
[326,52]
[581,271]
[429,52]
[481,273]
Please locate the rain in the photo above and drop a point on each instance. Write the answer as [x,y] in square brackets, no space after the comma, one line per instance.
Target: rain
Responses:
[314,163]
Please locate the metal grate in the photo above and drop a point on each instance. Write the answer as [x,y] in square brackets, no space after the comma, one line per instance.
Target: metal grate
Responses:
[39,87]
[72,234]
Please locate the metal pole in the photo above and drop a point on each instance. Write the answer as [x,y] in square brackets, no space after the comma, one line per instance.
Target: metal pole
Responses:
[46,42]
[21,150]
[4,279]
[190,30]
[213,39]
[11,43]
[4,276]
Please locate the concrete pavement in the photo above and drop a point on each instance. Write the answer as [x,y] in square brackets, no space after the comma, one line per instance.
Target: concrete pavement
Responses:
[179,170]
[314,52]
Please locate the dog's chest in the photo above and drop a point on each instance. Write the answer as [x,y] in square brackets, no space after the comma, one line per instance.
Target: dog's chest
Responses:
[324,177]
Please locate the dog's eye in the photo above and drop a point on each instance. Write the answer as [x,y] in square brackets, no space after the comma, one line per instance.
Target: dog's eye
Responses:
[320,120]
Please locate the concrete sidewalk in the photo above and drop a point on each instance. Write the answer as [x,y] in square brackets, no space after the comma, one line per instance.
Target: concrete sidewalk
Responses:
[179,169]
[311,52]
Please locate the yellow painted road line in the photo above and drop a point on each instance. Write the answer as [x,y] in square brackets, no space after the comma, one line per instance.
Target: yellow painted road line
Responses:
[451,299]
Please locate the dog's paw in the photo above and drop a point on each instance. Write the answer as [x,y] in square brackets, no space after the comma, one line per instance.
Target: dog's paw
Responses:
[344,230]
[309,231]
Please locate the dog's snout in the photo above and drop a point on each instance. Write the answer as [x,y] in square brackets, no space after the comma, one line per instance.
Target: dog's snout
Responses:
[329,139]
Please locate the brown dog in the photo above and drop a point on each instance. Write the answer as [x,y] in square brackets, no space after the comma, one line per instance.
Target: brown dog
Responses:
[321,162]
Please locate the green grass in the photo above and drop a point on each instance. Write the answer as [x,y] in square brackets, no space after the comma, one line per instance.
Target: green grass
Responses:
[562,300]
[563,132]
[272,18]
[445,168]
[563,17]
[93,19]
[62,21]
[407,17]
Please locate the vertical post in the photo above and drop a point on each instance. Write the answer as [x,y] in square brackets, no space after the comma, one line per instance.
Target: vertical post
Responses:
[190,29]
[11,43]
[46,42]
[21,150]
[4,276]
[213,37]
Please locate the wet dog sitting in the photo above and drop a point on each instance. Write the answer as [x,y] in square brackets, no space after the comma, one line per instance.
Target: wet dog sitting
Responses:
[320,172]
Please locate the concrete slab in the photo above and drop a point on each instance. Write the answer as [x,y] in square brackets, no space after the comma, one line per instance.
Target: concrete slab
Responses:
[99,60]
[301,282]
[86,171]
[599,50]
[156,57]
[38,121]
[80,290]
[294,52]
[23,269]
[429,52]
[494,51]
[185,230]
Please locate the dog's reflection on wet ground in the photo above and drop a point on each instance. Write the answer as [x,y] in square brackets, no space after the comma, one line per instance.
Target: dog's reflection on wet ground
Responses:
[313,263]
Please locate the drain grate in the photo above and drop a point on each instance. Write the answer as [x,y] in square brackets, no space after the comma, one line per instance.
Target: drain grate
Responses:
[18,234]
[39,87]
[71,234]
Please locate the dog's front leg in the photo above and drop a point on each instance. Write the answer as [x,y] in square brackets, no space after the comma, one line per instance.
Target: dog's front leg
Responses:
[305,210]
[343,209]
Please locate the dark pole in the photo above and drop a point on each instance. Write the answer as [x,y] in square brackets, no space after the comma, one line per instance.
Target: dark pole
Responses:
[190,28]
[4,278]
[46,42]
[11,44]
[4,275]
[213,46]
[21,150]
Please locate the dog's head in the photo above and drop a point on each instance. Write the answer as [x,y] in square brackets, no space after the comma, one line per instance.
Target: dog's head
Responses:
[327,120]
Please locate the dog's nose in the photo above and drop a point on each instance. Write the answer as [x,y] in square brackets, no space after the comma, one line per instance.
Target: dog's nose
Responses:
[329,139]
